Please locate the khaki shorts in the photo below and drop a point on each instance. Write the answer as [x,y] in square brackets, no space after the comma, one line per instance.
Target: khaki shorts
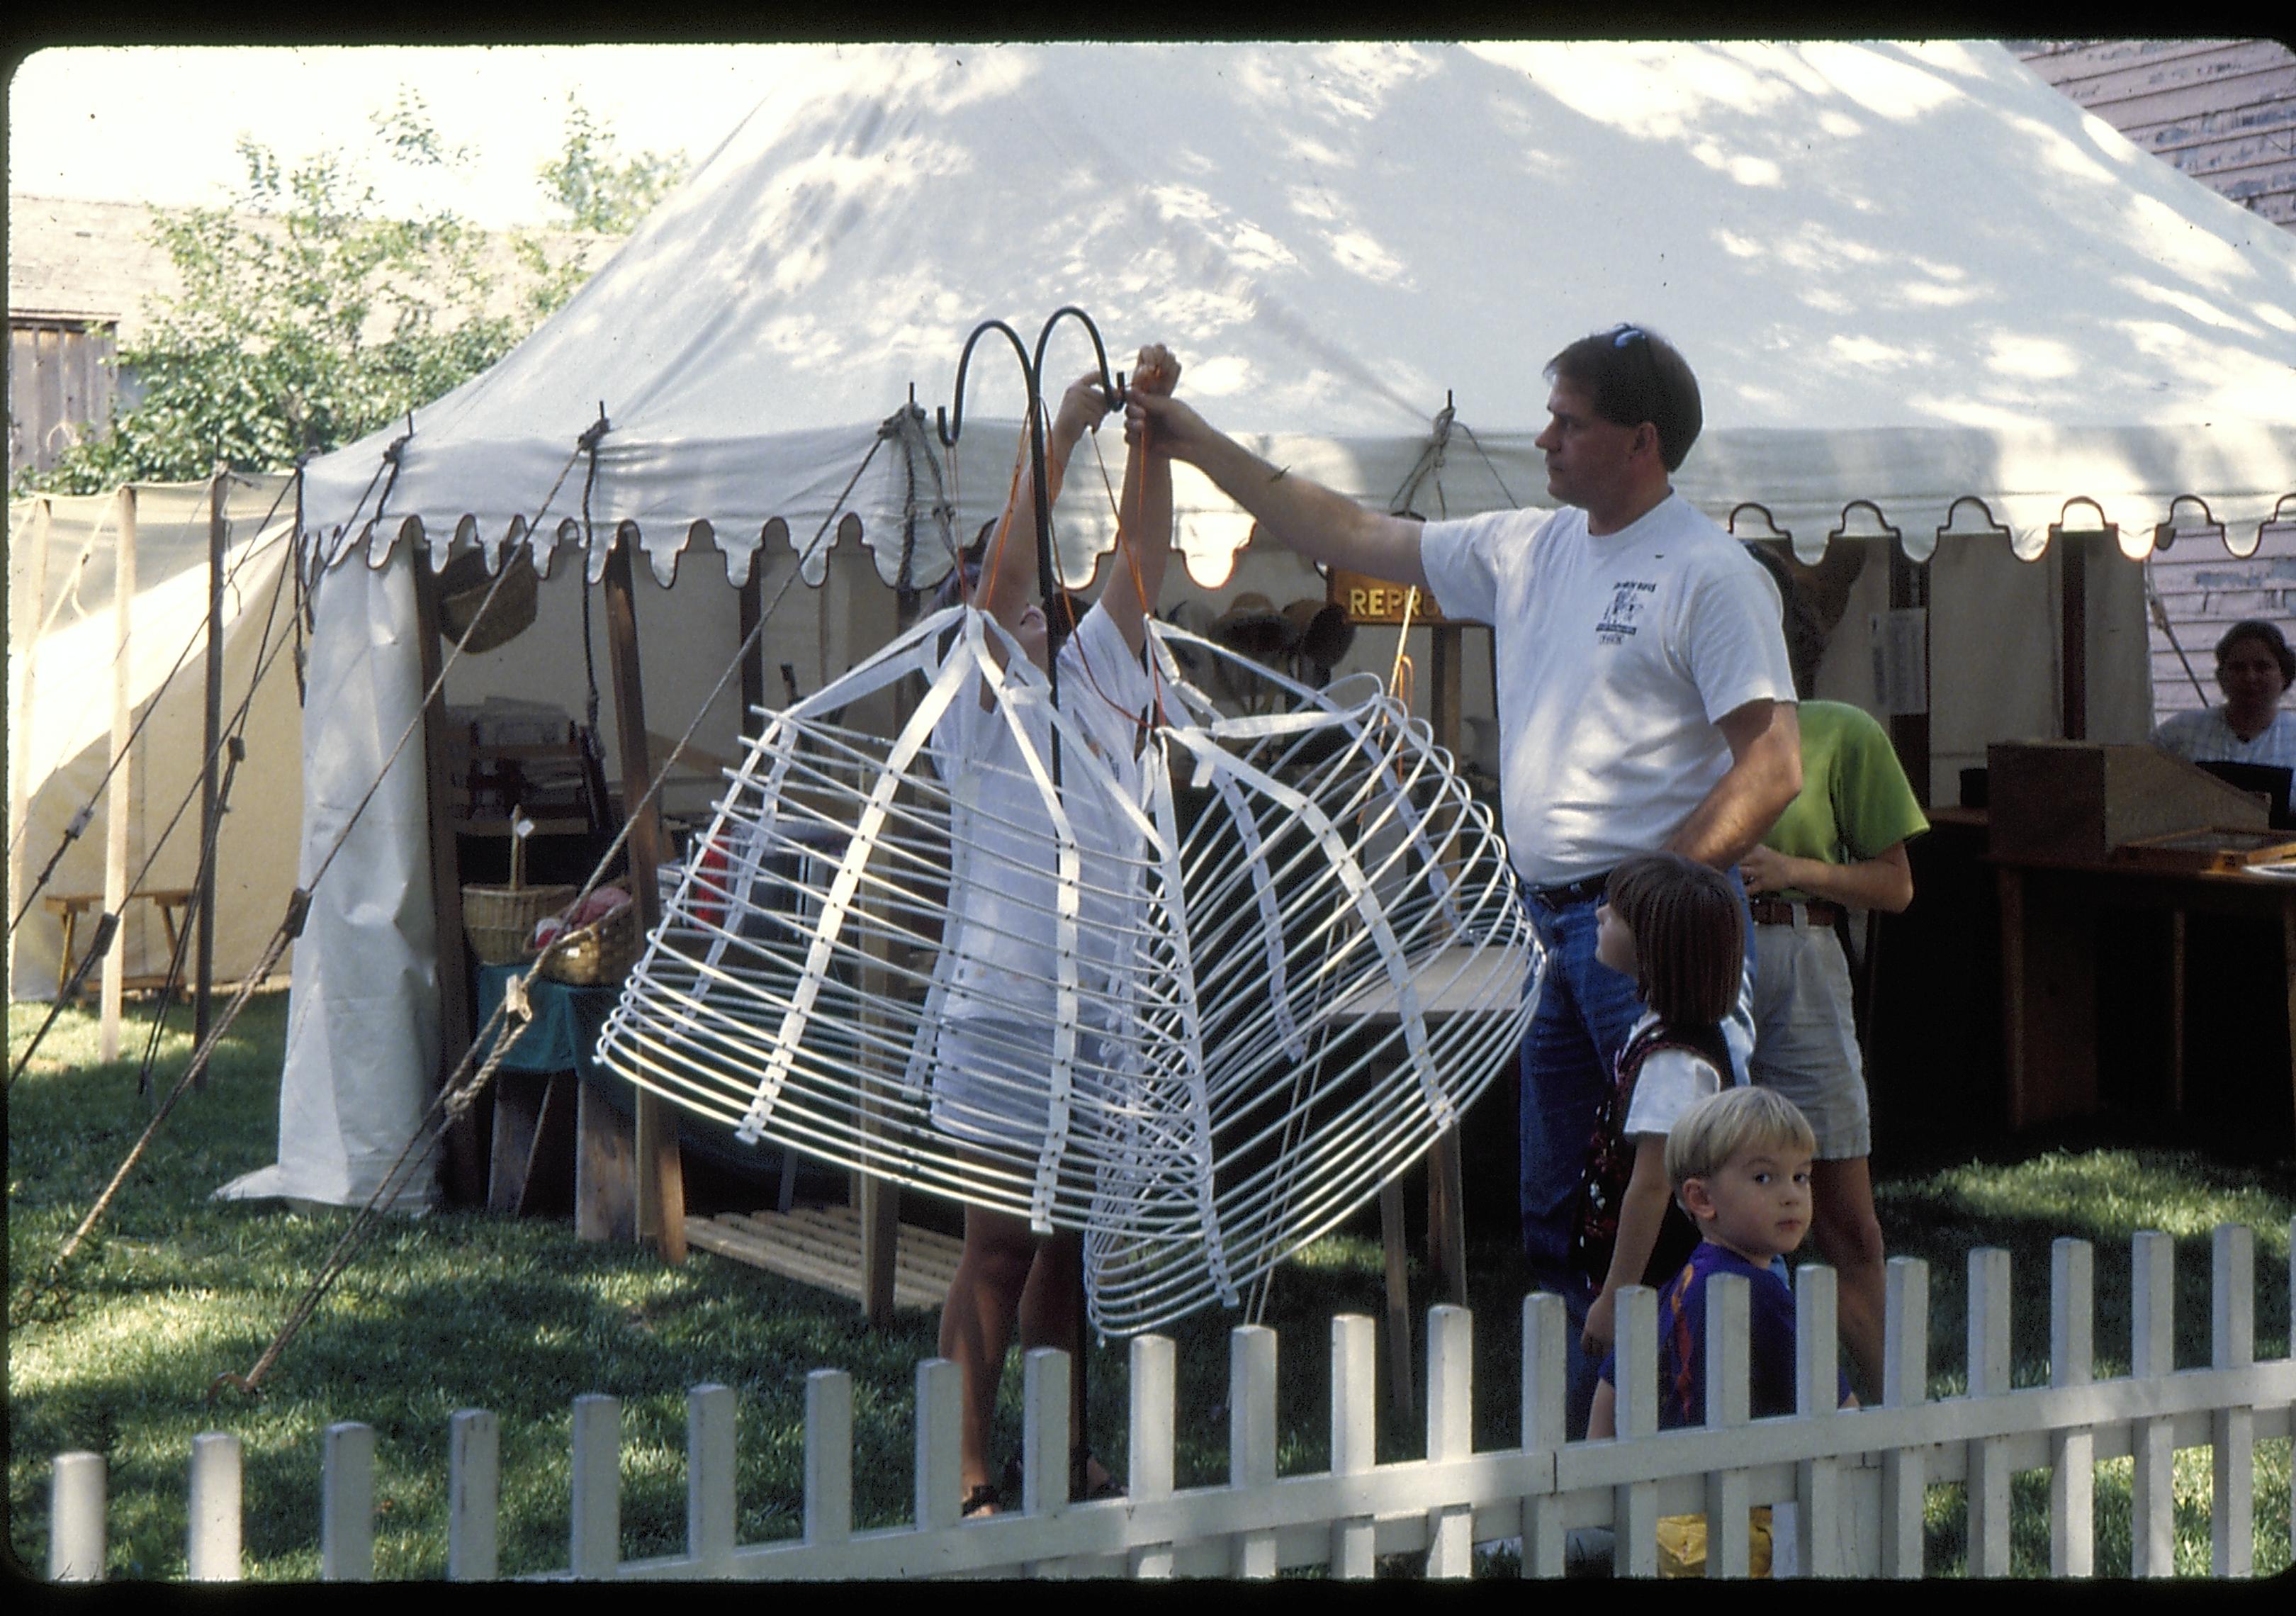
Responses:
[1805,1041]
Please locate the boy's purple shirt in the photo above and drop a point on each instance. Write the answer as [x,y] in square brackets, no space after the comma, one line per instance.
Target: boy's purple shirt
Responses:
[1682,1337]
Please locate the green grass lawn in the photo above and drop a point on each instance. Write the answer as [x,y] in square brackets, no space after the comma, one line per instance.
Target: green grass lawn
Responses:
[463,1311]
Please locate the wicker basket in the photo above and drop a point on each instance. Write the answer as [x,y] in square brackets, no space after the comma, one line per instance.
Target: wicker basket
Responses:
[604,951]
[462,586]
[499,921]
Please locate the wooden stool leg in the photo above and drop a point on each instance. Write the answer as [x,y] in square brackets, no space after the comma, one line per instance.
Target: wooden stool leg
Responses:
[64,959]
[605,1171]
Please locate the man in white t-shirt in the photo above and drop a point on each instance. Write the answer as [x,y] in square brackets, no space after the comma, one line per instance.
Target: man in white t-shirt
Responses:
[1646,700]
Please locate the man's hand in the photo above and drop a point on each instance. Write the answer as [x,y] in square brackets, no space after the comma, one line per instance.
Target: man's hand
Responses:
[1155,374]
[1180,431]
[1766,870]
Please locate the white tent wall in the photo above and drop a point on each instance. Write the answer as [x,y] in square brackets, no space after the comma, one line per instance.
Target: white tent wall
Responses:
[59,744]
[363,1007]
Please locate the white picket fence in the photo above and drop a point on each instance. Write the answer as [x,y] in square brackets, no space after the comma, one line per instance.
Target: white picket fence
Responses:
[1856,1479]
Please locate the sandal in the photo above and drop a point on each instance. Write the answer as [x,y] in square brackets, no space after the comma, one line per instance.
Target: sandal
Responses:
[1080,1459]
[983,1500]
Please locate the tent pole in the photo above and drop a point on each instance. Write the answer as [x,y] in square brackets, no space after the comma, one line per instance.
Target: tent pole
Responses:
[1909,588]
[1447,1226]
[752,596]
[662,1177]
[211,736]
[2074,654]
[465,1170]
[118,802]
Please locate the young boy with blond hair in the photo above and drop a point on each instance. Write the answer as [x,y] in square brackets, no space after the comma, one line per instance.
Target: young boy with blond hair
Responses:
[1739,1162]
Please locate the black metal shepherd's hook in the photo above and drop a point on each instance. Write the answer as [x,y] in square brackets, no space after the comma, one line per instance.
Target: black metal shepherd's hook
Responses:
[950,426]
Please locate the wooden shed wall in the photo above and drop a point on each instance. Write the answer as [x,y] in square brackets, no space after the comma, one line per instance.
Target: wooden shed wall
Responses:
[60,387]
[2222,111]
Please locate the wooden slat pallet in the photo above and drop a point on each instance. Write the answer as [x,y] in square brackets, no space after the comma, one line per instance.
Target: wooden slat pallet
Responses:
[820,1246]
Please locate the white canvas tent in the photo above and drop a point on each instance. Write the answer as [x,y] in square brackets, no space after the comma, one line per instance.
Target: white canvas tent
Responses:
[1904,273]
[73,656]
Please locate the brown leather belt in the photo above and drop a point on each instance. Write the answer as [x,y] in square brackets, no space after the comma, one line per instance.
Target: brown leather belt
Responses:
[1778,912]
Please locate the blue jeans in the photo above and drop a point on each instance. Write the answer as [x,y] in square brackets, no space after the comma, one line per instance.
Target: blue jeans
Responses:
[1570,1054]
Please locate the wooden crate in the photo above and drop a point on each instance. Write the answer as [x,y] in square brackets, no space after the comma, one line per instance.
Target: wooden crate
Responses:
[2075,801]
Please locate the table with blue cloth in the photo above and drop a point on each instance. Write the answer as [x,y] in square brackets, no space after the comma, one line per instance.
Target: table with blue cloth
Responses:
[553,1099]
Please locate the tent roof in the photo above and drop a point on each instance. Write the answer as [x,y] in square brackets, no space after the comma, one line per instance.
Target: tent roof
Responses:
[1903,273]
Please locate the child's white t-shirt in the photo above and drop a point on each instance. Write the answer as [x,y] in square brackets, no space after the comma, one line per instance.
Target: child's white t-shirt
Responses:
[1672,1082]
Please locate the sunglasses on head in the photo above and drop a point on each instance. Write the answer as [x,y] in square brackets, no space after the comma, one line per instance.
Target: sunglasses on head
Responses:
[1628,334]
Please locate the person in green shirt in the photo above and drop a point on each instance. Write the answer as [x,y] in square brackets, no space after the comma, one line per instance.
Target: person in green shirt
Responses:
[1840,844]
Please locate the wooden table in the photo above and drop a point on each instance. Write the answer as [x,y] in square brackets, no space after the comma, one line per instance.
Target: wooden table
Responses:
[2049,918]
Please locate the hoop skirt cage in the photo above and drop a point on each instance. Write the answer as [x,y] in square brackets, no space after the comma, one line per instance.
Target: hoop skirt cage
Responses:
[1277,969]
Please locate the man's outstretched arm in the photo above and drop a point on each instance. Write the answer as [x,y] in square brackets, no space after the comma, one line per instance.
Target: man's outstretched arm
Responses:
[1297,514]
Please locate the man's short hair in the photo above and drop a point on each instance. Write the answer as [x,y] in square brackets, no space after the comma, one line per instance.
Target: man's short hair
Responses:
[1721,1126]
[2265,634]
[1634,375]
[1690,935]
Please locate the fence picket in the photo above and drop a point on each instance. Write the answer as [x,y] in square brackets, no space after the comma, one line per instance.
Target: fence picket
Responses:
[1252,1435]
[346,1503]
[1728,1492]
[1355,1433]
[1817,1395]
[1904,1384]
[709,1476]
[213,1550]
[473,1495]
[1151,1443]
[2153,1352]
[2232,1338]
[2072,1454]
[1545,1373]
[828,1456]
[595,1512]
[1987,1458]
[1450,1432]
[941,1414]
[1633,1509]
[75,1518]
[1044,1440]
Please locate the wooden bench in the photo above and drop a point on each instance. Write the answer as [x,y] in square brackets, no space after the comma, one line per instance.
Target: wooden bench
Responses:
[69,906]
